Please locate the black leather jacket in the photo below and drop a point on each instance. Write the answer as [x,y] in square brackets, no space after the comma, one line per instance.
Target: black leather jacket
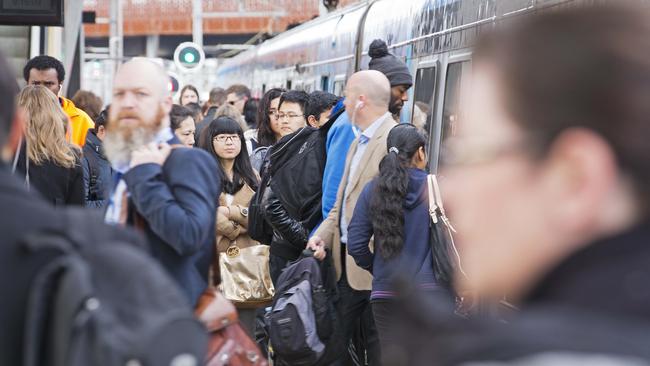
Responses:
[292,201]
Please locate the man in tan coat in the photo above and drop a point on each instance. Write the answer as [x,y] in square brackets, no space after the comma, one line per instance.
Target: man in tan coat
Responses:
[367,95]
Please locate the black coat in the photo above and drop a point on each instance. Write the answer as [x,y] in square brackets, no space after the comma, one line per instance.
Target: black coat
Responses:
[21,214]
[98,173]
[178,201]
[58,185]
[594,302]
[292,202]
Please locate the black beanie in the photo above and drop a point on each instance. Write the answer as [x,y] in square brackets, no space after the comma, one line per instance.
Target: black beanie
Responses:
[386,63]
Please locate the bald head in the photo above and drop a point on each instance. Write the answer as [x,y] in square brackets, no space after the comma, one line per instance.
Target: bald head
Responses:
[372,84]
[141,99]
[141,72]
[367,96]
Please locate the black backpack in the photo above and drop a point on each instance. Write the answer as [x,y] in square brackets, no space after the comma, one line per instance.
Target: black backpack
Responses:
[303,323]
[103,301]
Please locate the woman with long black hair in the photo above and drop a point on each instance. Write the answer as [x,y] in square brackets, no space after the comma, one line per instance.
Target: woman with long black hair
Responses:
[224,139]
[268,126]
[394,208]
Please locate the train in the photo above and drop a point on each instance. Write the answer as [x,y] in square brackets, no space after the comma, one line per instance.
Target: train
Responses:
[433,37]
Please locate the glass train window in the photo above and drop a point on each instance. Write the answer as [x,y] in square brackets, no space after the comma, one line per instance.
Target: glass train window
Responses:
[458,75]
[425,89]
[288,85]
[338,87]
[325,83]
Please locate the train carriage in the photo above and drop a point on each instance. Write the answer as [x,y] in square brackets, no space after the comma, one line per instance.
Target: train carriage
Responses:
[433,37]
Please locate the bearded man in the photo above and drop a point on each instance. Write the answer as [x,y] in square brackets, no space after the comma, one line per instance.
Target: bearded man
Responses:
[169,192]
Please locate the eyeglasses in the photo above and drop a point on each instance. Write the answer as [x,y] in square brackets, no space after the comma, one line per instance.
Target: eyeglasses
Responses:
[457,151]
[288,116]
[223,138]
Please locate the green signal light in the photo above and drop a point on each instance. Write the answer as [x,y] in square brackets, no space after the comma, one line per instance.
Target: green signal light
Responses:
[189,57]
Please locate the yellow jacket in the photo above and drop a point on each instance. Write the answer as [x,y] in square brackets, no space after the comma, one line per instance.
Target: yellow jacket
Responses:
[80,122]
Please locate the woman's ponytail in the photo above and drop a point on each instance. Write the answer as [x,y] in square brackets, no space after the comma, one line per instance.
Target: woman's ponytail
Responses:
[391,186]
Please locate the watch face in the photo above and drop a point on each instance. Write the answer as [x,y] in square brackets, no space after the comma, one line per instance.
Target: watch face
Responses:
[244,211]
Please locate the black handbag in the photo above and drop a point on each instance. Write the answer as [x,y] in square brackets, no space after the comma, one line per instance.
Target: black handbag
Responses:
[446,259]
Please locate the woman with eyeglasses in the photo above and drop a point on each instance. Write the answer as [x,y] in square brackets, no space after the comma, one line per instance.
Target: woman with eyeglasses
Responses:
[223,138]
[292,198]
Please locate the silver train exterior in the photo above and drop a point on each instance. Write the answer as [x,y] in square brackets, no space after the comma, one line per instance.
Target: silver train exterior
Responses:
[433,37]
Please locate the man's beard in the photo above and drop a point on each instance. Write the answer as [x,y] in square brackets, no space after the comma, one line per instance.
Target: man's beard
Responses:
[122,139]
[395,106]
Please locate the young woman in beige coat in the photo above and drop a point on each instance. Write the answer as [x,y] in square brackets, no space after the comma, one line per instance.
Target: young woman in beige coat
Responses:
[224,139]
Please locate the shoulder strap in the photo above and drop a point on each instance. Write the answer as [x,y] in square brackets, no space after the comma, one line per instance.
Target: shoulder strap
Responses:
[437,213]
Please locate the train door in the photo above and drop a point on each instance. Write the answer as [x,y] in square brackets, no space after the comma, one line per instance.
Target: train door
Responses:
[456,81]
[424,92]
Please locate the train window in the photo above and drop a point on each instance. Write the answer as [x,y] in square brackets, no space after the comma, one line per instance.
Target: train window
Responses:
[458,75]
[288,85]
[325,83]
[425,88]
[263,88]
[338,87]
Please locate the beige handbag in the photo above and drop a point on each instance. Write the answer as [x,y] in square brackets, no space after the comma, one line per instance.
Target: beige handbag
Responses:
[245,276]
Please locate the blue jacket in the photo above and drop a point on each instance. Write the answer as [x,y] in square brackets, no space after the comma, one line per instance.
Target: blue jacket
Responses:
[339,139]
[98,188]
[415,262]
[178,201]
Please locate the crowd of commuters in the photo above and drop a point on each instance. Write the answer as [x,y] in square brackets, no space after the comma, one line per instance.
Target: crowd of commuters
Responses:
[545,181]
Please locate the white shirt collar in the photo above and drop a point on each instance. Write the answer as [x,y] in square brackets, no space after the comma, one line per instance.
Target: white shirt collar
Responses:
[370,131]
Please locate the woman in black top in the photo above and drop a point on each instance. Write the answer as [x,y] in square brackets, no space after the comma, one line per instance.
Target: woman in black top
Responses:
[53,166]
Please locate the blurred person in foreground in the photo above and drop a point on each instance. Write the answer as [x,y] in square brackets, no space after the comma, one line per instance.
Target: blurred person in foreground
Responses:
[367,96]
[23,213]
[49,72]
[98,173]
[47,163]
[182,123]
[167,191]
[88,102]
[216,99]
[548,185]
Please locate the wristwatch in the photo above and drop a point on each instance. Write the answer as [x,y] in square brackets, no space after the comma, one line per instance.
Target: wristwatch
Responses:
[243,211]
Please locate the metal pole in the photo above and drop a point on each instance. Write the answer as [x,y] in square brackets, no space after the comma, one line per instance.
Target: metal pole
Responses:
[197,22]
[116,27]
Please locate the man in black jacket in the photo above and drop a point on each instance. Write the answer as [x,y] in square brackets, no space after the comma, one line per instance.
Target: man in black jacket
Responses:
[292,201]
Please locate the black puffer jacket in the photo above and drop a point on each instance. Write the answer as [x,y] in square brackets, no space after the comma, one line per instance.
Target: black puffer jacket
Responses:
[292,201]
